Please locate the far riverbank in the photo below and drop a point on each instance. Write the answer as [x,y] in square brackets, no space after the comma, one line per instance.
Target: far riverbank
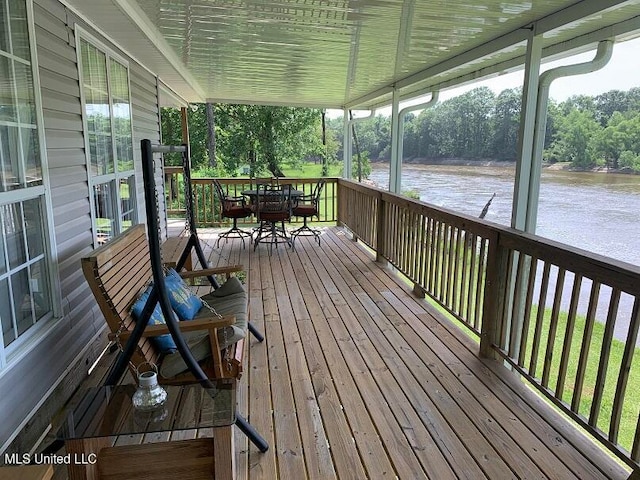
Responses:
[489,162]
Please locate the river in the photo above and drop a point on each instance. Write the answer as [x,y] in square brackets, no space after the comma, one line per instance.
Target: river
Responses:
[597,212]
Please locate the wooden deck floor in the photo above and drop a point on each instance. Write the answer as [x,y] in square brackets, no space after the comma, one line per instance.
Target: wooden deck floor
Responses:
[359,379]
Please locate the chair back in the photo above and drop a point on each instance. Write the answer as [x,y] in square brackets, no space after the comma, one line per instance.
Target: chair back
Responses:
[273,203]
[220,194]
[318,191]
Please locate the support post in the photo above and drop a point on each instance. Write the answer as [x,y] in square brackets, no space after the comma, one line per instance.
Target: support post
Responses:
[347,154]
[527,131]
[395,169]
[380,230]
[494,297]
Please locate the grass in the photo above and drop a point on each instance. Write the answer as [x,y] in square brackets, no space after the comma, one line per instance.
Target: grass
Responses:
[311,170]
[631,405]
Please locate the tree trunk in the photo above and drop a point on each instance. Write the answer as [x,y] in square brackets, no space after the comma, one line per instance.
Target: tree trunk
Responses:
[211,135]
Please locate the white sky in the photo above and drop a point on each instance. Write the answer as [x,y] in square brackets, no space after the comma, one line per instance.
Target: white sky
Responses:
[621,73]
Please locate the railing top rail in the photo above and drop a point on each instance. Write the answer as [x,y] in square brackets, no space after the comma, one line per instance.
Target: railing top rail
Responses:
[457,219]
[616,273]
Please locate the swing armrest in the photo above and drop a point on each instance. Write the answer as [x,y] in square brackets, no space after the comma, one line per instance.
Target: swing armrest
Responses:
[228,270]
[206,323]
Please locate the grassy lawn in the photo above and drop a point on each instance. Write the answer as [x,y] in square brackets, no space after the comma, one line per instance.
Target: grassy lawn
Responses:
[311,170]
[632,399]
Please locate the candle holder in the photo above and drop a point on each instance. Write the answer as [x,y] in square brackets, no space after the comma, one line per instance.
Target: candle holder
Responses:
[149,395]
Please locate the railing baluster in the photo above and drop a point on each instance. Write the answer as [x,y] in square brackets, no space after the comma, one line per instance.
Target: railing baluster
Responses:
[421,266]
[471,310]
[463,300]
[516,301]
[446,263]
[605,352]
[535,348]
[456,274]
[479,293]
[437,250]
[432,254]
[584,350]
[625,369]
[526,321]
[568,336]
[553,326]
[635,450]
[502,324]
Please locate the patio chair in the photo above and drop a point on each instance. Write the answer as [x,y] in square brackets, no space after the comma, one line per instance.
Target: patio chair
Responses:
[307,206]
[235,208]
[273,208]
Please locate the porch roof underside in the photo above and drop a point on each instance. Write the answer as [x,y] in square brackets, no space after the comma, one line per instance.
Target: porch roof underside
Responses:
[344,53]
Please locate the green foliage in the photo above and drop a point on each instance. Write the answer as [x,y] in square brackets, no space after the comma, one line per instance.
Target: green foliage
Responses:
[586,131]
[574,140]
[411,193]
[630,160]
[264,138]
[361,166]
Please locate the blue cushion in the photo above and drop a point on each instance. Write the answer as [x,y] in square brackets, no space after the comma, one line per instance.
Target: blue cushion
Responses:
[164,343]
[183,301]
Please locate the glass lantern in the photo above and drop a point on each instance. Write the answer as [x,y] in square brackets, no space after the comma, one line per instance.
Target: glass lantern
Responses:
[149,395]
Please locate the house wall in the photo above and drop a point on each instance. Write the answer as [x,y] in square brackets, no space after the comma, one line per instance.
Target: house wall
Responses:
[27,384]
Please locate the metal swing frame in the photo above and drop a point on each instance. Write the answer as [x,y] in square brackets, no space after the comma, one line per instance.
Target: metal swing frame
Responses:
[159,291]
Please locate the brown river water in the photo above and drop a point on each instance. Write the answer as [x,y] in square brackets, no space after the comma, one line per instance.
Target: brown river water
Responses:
[598,212]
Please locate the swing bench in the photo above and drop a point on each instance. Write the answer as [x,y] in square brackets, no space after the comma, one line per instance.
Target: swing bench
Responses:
[119,272]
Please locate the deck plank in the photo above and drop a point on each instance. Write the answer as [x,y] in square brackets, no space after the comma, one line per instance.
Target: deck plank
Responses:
[557,455]
[317,456]
[357,378]
[289,450]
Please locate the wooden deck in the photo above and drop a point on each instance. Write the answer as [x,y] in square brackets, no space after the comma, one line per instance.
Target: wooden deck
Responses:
[357,378]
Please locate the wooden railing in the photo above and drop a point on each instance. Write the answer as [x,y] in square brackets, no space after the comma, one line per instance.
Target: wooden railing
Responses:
[206,205]
[551,311]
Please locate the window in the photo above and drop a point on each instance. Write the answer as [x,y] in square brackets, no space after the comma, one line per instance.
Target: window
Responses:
[25,285]
[109,140]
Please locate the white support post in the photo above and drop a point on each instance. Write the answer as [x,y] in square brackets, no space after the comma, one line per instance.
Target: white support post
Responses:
[527,131]
[347,154]
[395,169]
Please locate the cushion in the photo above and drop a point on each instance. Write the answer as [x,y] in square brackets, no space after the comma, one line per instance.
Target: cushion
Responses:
[232,285]
[183,301]
[233,303]
[164,343]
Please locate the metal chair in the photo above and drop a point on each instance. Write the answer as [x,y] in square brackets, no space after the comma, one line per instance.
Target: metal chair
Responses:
[273,207]
[235,208]
[307,206]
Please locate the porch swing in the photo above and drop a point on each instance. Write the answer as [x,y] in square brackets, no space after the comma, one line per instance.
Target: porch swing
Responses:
[158,293]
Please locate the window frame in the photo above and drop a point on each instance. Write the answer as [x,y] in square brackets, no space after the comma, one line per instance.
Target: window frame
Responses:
[112,180]
[26,342]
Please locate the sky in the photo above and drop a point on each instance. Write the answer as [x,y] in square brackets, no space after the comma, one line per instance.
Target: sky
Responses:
[621,73]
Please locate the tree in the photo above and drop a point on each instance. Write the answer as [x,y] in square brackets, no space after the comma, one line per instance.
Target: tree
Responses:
[622,134]
[506,121]
[575,139]
[267,137]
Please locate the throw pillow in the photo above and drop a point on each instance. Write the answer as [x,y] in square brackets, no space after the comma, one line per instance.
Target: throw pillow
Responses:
[164,343]
[183,301]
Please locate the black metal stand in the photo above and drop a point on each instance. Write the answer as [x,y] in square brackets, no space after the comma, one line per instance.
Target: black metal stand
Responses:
[159,293]
[194,241]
